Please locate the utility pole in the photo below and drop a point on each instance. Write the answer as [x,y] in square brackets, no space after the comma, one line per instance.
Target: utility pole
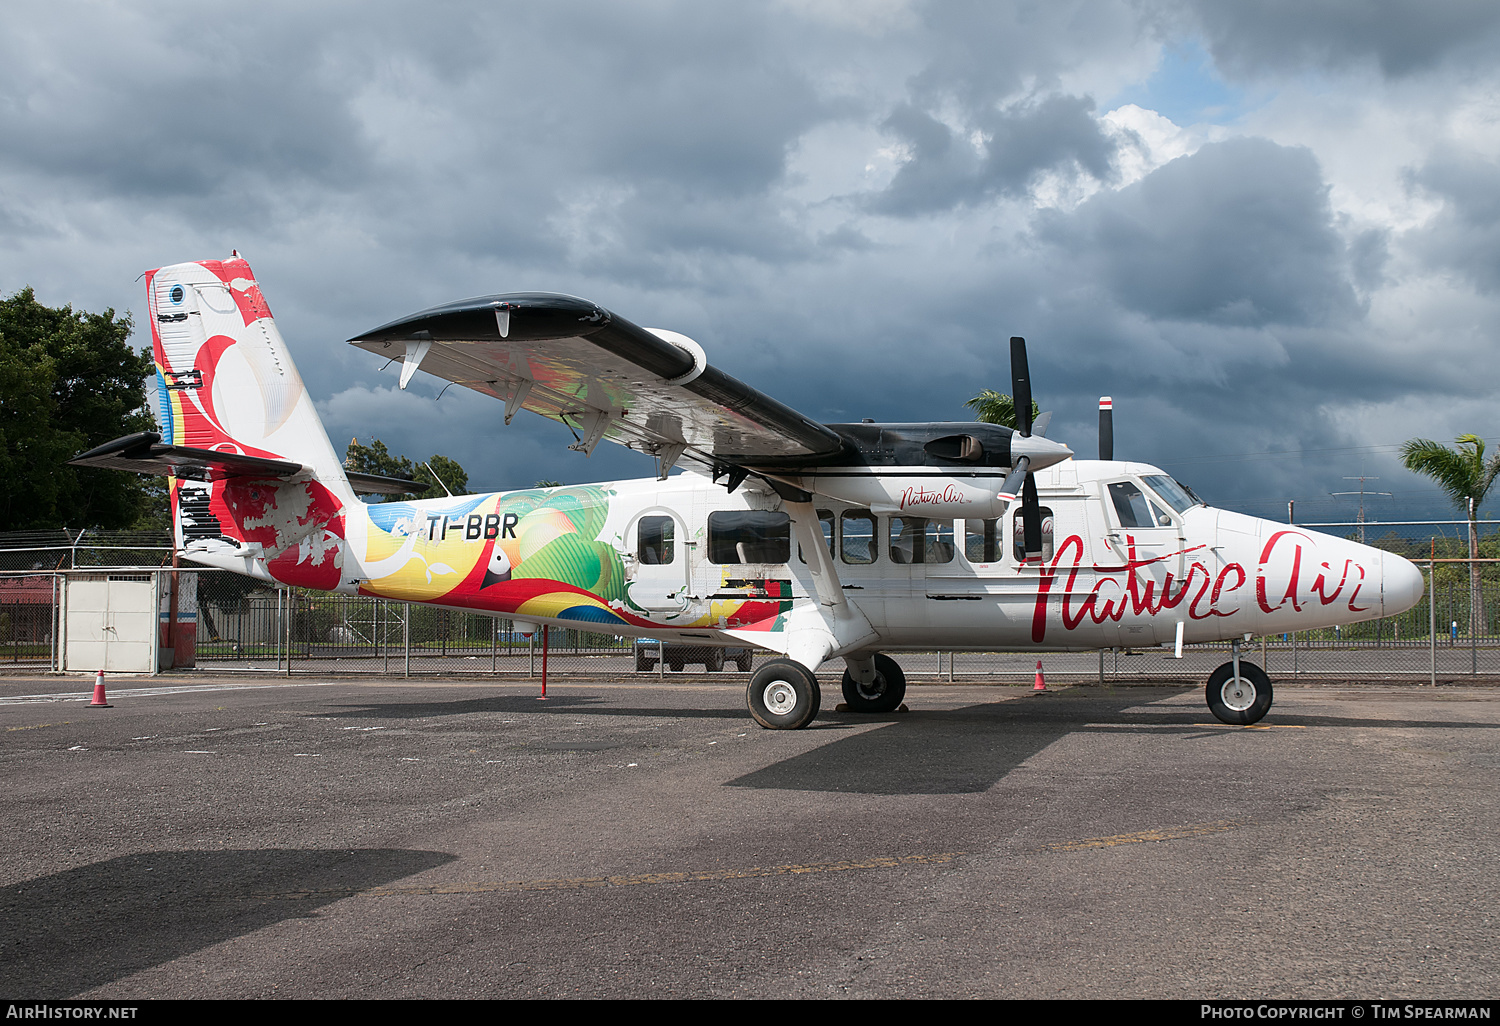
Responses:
[1361,493]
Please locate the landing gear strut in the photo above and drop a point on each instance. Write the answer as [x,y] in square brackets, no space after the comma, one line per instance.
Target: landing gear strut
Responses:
[1239,692]
[881,695]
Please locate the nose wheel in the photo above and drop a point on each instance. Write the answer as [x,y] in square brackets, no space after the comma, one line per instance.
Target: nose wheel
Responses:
[1239,700]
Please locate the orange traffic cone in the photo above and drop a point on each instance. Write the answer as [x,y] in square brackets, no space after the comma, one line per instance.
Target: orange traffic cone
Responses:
[1041,682]
[99,701]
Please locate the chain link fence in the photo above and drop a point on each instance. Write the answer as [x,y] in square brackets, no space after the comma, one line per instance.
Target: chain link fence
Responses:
[247,625]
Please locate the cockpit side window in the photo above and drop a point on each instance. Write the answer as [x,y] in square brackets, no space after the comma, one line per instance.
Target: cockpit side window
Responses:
[1172,493]
[1134,509]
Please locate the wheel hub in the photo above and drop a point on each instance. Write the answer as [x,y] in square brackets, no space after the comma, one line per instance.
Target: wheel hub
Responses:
[873,690]
[779,697]
[1238,694]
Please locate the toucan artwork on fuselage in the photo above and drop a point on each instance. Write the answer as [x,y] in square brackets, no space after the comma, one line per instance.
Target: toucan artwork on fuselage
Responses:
[811,541]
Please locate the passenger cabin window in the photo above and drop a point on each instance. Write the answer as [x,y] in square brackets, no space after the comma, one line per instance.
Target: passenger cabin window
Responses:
[655,539]
[749,536]
[982,541]
[1019,542]
[857,533]
[919,540]
[1134,509]
[825,521]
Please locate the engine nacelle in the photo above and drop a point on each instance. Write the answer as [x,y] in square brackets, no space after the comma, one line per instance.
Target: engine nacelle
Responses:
[941,497]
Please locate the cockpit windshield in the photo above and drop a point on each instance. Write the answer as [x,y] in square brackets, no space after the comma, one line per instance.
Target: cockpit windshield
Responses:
[1179,497]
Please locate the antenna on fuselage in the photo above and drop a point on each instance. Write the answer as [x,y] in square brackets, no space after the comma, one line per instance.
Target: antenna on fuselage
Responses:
[437,479]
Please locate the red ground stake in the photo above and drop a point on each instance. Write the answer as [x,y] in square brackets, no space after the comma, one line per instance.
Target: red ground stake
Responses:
[545,631]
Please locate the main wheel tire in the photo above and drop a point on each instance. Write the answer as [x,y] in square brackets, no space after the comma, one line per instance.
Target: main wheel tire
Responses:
[744,662]
[881,695]
[783,695]
[715,661]
[642,664]
[1239,702]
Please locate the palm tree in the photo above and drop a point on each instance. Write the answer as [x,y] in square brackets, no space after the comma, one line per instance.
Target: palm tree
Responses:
[991,407]
[1465,477]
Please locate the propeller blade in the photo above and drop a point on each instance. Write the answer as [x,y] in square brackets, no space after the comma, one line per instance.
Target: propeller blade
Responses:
[1011,487]
[1031,520]
[1106,428]
[1020,385]
[1042,420]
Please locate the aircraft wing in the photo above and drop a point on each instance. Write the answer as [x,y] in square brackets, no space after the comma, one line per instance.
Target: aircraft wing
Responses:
[575,362]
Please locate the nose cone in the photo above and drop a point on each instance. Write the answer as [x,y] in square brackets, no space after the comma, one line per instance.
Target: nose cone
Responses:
[1043,452]
[1401,584]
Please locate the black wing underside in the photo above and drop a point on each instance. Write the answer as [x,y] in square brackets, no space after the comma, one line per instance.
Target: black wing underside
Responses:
[605,378]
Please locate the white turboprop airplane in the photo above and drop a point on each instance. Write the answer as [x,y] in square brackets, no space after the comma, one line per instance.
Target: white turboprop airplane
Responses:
[814,541]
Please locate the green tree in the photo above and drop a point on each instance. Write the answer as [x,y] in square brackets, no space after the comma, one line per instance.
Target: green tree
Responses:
[375,458]
[991,407]
[68,382]
[1466,477]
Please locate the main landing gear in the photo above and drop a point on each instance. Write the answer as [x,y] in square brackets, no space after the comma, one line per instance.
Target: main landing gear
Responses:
[784,695]
[1239,692]
[881,695]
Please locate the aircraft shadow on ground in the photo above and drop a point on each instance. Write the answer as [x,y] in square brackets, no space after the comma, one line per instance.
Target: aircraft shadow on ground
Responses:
[958,751]
[72,931]
[969,750]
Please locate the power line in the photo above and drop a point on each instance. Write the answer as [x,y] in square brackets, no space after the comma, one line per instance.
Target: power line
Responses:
[1284,454]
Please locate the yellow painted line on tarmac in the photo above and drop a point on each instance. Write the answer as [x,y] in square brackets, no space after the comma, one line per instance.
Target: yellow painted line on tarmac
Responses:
[1164,834]
[580,883]
[34,726]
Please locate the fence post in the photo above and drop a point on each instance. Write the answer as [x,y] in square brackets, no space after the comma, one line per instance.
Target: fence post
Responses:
[1474,593]
[1294,654]
[494,642]
[1432,620]
[406,636]
[291,618]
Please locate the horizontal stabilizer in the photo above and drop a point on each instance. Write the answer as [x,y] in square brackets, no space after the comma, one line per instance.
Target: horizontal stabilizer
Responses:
[143,453]
[374,484]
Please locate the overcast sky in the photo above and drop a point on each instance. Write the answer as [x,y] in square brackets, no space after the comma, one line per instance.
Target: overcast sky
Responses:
[1266,227]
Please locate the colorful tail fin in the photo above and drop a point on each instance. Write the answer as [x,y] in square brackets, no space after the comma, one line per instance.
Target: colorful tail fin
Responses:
[227,385]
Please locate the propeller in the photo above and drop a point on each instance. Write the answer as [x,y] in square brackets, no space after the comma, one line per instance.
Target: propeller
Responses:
[1020,474]
[1106,428]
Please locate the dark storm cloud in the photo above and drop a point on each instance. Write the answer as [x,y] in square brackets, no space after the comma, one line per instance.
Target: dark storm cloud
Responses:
[1464,238]
[176,106]
[1238,234]
[1402,37]
[725,171]
[1019,142]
